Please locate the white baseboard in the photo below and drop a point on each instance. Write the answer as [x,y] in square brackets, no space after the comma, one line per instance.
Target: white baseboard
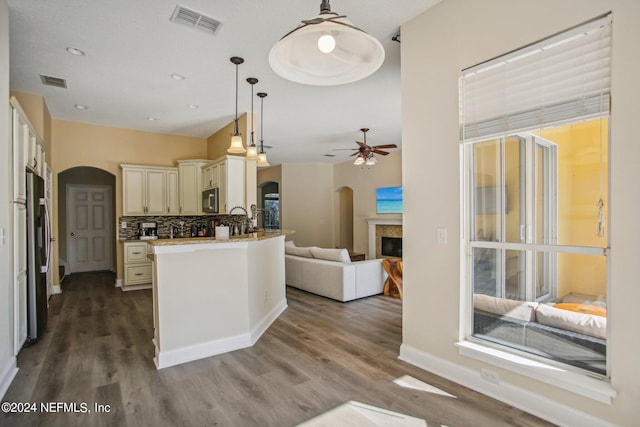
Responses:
[164,359]
[510,394]
[57,289]
[265,322]
[118,283]
[7,375]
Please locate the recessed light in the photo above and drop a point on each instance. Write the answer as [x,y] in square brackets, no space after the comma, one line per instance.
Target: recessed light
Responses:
[81,107]
[151,119]
[75,51]
[193,106]
[177,76]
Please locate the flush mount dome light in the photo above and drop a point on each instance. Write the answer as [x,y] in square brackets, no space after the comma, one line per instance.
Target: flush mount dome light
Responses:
[326,50]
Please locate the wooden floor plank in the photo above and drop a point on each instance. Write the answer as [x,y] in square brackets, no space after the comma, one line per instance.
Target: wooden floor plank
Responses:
[316,356]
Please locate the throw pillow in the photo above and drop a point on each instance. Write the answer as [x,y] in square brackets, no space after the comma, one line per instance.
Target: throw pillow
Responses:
[298,251]
[588,324]
[339,255]
[521,310]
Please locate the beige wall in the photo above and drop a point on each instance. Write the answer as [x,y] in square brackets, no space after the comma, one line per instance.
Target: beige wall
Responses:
[80,144]
[456,34]
[363,181]
[306,203]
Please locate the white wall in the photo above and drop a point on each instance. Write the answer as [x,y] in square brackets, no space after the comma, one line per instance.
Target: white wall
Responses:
[7,360]
[436,45]
[364,180]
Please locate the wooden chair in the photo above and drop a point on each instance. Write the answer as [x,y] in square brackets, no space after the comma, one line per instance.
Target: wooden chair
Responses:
[393,285]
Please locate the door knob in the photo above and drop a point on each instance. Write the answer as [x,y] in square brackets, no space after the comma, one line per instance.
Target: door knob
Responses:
[73,234]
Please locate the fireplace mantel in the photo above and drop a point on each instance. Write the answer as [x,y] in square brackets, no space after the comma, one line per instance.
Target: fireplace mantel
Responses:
[373,221]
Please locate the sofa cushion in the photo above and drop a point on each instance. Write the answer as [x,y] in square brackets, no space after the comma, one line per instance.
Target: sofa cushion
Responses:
[298,251]
[588,324]
[338,255]
[521,310]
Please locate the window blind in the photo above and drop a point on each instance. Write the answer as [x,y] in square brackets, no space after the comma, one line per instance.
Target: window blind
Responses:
[560,79]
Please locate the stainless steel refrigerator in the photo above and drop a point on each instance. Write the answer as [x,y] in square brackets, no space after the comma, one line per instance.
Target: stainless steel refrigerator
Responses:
[38,254]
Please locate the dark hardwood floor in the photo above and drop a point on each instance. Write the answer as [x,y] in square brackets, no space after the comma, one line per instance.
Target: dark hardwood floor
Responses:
[316,356]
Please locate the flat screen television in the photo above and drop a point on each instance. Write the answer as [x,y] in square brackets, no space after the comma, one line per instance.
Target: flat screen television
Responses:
[389,200]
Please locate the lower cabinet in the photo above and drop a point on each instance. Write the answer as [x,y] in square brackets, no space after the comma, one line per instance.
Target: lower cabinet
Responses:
[137,266]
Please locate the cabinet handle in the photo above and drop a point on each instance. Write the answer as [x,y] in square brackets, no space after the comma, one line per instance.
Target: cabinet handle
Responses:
[168,209]
[137,274]
[35,162]
[137,253]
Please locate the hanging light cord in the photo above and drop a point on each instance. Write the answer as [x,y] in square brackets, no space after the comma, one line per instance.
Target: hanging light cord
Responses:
[252,143]
[261,124]
[235,122]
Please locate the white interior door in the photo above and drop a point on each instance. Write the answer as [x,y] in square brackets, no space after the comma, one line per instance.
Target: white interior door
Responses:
[89,240]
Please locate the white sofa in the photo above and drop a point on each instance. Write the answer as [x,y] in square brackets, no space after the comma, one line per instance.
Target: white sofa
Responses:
[334,277]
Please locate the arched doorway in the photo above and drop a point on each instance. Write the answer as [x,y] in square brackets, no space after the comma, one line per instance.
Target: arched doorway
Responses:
[270,205]
[345,213]
[86,218]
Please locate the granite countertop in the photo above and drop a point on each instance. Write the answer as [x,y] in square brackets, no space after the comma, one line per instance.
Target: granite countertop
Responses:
[249,237]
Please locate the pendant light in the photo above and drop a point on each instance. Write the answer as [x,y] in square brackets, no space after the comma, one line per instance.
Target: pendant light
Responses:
[326,50]
[236,146]
[252,150]
[262,157]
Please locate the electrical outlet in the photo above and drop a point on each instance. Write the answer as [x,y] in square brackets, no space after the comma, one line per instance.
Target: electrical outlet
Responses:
[123,224]
[490,376]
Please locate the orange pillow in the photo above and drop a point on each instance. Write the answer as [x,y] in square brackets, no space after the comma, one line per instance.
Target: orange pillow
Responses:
[583,308]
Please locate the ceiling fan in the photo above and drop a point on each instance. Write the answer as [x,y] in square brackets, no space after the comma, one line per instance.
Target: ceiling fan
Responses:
[365,152]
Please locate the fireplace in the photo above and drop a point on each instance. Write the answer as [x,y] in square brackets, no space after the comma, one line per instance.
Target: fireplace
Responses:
[391,247]
[380,227]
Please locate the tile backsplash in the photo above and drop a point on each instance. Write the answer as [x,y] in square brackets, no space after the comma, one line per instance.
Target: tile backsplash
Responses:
[164,222]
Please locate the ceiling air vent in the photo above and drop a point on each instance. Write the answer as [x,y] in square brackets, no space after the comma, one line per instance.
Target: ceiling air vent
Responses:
[195,19]
[53,81]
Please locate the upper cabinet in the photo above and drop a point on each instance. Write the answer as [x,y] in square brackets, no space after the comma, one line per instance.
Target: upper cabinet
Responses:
[148,190]
[27,150]
[191,185]
[231,183]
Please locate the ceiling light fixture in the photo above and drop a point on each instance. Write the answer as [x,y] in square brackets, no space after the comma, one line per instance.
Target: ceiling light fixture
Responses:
[193,106]
[151,119]
[262,156]
[236,146]
[75,51]
[81,107]
[326,50]
[176,76]
[252,150]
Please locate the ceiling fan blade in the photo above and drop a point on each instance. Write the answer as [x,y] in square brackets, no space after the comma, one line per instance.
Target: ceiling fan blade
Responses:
[355,154]
[386,146]
[361,144]
[341,149]
[382,153]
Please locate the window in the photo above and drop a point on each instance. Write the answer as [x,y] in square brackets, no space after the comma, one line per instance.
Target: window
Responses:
[534,129]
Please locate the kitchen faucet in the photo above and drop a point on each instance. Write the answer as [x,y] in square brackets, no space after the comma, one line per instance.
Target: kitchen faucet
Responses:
[248,222]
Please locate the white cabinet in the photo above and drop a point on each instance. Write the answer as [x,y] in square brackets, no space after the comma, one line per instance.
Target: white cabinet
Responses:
[137,266]
[173,193]
[211,176]
[148,190]
[191,186]
[20,275]
[232,183]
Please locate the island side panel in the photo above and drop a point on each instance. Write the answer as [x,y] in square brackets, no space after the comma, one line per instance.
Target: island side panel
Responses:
[202,297]
[267,295]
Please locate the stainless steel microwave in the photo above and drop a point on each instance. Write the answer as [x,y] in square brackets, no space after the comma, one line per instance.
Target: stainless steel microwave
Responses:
[210,201]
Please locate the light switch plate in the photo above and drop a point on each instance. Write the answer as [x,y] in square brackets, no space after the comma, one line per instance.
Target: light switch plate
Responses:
[441,234]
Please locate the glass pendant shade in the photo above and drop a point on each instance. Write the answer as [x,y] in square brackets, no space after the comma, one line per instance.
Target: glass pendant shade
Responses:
[252,152]
[262,160]
[236,146]
[326,50]
[359,161]
[371,161]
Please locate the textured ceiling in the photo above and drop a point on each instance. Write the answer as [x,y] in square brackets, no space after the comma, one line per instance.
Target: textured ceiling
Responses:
[132,49]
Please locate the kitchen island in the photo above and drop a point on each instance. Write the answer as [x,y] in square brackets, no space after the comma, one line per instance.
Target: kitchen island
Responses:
[212,296]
